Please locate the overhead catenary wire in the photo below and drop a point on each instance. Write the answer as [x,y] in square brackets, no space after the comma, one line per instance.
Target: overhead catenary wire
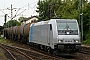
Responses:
[18,14]
[25,9]
[22,8]
[2,11]
[34,10]
[19,8]
[29,5]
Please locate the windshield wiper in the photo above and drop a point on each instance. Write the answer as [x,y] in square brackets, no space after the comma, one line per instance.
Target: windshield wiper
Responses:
[67,27]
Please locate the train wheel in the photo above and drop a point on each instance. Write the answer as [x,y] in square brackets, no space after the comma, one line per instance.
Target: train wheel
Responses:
[38,46]
[49,50]
[54,53]
[45,48]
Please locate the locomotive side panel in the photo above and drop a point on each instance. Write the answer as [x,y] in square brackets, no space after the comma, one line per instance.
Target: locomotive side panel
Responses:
[41,35]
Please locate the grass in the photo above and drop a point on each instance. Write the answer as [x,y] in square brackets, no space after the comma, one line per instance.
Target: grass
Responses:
[2,40]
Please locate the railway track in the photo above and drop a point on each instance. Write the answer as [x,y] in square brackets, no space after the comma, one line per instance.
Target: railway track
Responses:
[30,54]
[85,49]
[36,54]
[15,54]
[84,54]
[47,54]
[11,55]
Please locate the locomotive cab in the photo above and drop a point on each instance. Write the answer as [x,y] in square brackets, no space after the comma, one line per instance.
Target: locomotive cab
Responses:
[66,36]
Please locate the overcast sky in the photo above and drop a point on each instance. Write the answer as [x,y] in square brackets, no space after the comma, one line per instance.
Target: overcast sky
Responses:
[29,5]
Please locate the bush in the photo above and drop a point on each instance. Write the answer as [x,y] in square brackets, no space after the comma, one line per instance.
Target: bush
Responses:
[86,42]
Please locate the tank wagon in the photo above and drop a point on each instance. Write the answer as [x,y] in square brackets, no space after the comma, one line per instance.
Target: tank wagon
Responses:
[56,36]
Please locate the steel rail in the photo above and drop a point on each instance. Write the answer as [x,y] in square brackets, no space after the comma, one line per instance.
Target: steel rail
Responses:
[9,52]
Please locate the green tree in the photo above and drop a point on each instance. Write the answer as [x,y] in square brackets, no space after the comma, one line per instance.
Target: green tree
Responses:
[66,9]
[86,21]
[12,23]
[53,8]
[43,9]
[20,19]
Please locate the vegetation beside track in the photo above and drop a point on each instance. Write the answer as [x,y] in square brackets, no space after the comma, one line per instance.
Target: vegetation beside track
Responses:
[2,40]
[2,52]
[87,41]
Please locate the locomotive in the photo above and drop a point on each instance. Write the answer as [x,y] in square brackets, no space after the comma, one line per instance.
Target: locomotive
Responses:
[57,36]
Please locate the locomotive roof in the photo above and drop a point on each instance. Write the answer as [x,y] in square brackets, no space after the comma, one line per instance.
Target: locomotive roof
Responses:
[66,20]
[57,20]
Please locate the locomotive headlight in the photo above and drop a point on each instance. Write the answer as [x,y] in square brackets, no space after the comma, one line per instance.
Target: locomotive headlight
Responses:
[60,41]
[68,33]
[76,40]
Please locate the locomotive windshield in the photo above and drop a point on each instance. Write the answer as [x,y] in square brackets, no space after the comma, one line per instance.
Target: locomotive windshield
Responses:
[63,26]
[67,28]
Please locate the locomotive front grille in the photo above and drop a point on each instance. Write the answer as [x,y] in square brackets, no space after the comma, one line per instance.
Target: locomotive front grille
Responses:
[68,41]
[67,47]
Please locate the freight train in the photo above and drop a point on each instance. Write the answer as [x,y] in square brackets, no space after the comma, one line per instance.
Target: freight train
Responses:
[57,36]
